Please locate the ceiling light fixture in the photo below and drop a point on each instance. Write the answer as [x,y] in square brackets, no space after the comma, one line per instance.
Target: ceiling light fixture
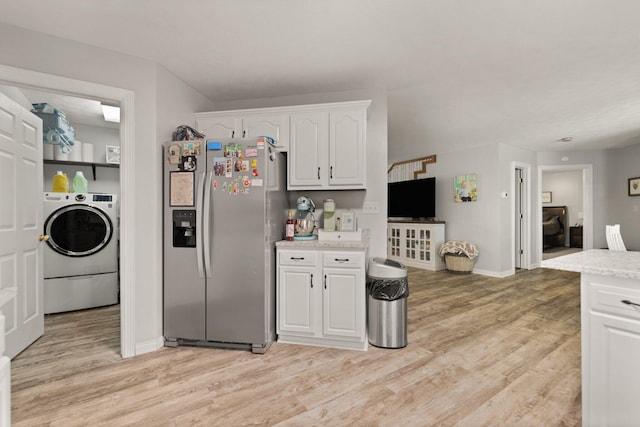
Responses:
[111,113]
[566,139]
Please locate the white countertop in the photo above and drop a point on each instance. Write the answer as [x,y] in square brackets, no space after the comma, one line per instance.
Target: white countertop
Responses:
[599,261]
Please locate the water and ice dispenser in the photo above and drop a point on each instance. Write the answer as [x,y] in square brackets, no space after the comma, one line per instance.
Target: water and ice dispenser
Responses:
[184,229]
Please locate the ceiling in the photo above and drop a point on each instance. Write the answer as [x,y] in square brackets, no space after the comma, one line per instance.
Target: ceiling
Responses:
[526,73]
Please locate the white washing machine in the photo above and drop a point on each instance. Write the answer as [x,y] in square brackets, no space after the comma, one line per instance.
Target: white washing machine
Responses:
[81,255]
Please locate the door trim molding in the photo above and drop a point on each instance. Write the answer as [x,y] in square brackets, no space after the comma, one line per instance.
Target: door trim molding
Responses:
[33,79]
[525,196]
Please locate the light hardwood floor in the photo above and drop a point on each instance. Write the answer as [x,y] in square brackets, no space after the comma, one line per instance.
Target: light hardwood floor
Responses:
[482,352]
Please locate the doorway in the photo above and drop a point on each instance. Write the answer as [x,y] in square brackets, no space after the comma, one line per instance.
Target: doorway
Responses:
[39,81]
[569,186]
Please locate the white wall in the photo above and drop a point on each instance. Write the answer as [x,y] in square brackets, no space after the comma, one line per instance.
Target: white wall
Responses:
[376,159]
[566,190]
[622,164]
[38,52]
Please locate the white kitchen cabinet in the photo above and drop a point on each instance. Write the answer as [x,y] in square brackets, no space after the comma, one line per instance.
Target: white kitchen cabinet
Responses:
[416,243]
[321,297]
[610,351]
[327,148]
[246,124]
[299,283]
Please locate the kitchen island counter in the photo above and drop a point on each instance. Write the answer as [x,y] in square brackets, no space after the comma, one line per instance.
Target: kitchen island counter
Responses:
[602,262]
[610,333]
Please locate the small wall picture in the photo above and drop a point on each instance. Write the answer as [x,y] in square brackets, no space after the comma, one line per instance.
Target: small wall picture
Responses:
[465,188]
[113,154]
[546,197]
[634,186]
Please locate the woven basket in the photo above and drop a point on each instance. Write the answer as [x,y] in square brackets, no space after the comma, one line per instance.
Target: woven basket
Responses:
[458,263]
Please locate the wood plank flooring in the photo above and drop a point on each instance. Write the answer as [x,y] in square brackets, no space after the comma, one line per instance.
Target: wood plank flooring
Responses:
[482,352]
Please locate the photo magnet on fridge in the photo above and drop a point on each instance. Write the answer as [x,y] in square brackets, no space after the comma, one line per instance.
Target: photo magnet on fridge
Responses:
[173,155]
[189,163]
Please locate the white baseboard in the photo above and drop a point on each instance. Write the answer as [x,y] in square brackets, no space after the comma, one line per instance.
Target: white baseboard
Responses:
[498,274]
[149,346]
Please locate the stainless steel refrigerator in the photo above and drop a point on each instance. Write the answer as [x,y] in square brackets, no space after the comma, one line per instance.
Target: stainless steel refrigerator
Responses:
[224,209]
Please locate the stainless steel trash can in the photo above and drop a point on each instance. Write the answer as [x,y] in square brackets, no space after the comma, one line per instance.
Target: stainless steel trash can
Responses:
[387,292]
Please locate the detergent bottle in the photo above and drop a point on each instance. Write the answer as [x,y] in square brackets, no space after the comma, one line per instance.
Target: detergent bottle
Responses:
[79,184]
[60,183]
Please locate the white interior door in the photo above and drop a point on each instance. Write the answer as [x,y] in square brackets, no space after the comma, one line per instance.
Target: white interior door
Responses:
[21,251]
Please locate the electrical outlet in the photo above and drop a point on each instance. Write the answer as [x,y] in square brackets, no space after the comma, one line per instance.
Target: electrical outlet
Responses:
[371,208]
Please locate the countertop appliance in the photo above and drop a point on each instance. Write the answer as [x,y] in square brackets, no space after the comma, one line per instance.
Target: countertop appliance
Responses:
[81,255]
[305,219]
[224,209]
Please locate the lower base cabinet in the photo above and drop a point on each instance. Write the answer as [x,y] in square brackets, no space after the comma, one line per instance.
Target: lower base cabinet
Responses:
[610,351]
[321,297]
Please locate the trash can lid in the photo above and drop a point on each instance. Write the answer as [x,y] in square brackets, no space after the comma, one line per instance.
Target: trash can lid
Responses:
[386,268]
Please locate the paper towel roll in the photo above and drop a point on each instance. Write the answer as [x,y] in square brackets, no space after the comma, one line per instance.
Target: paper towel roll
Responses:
[58,154]
[76,152]
[87,152]
[47,151]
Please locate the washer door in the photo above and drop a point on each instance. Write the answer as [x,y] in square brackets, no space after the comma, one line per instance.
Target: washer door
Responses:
[78,230]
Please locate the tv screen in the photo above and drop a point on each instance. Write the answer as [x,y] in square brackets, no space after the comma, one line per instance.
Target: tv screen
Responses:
[412,199]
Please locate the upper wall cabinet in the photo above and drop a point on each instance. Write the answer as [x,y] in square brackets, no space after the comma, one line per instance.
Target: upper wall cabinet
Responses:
[327,149]
[245,124]
[326,143]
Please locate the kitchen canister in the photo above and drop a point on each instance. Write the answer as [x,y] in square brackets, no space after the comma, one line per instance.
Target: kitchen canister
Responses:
[329,207]
[87,152]
[76,152]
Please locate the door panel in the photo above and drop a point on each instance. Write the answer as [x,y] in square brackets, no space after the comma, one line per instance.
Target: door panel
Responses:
[21,263]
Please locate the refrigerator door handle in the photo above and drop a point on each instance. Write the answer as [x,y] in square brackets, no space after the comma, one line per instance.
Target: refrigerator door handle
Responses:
[199,226]
[206,211]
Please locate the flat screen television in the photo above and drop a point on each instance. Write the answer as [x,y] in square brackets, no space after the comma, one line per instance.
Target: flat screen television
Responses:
[412,199]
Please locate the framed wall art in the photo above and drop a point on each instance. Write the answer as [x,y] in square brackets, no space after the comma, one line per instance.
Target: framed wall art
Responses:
[634,186]
[546,197]
[465,188]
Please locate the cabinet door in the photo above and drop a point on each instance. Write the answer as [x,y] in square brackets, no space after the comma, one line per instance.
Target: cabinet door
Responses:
[220,127]
[347,152]
[343,302]
[308,151]
[614,370]
[297,289]
[276,126]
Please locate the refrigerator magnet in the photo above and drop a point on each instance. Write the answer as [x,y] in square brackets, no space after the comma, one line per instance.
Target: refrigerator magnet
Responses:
[224,186]
[235,189]
[251,152]
[219,166]
[254,163]
[246,182]
[229,167]
[173,155]
[188,149]
[256,182]
[254,172]
[189,163]
[215,184]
